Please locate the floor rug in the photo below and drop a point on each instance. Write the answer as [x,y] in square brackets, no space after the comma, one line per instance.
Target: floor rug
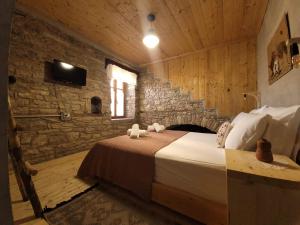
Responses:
[105,204]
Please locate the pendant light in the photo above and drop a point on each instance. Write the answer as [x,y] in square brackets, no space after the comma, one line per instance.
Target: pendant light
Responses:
[151,40]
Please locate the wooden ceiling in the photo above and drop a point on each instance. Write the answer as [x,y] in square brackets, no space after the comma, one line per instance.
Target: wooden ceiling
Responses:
[183,26]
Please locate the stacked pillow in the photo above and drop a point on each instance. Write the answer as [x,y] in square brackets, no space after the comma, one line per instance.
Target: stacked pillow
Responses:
[278,125]
[282,128]
[247,129]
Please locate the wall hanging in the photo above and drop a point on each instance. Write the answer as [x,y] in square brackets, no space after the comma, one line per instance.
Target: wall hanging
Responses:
[279,56]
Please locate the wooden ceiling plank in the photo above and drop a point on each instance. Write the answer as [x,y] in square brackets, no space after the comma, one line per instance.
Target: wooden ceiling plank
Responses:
[213,19]
[240,19]
[139,11]
[248,15]
[167,29]
[261,8]
[249,23]
[228,20]
[233,12]
[182,13]
[200,23]
[119,25]
[129,11]
[115,26]
[212,15]
[107,34]
[183,26]
[132,15]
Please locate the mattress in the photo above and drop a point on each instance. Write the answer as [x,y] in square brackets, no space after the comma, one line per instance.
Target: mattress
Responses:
[194,164]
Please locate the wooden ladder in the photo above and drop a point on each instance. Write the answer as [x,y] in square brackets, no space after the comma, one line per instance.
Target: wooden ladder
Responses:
[23,170]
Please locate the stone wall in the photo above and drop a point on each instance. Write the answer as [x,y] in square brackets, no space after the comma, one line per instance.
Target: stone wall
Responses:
[33,43]
[158,102]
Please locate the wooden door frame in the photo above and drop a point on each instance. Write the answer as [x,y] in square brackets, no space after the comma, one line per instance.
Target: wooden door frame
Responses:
[6,10]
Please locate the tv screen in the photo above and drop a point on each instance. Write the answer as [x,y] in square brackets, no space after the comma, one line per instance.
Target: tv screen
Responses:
[68,73]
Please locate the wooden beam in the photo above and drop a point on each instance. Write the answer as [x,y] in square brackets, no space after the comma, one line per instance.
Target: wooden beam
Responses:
[19,180]
[23,170]
[6,9]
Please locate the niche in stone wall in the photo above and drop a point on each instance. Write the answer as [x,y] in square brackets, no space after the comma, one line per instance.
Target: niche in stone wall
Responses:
[96,105]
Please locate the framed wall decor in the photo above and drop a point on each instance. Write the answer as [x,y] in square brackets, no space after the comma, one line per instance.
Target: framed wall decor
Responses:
[279,56]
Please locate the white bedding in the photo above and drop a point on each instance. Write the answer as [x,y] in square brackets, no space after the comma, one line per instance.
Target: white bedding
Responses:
[194,164]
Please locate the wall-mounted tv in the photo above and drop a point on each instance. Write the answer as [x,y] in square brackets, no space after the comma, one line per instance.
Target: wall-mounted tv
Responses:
[67,73]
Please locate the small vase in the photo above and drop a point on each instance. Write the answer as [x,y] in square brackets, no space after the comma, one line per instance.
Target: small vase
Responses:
[263,151]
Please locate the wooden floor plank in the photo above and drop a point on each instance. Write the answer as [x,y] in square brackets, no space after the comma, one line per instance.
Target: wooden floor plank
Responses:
[56,182]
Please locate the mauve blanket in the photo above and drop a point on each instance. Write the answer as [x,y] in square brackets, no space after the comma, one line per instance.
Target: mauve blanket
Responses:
[128,163]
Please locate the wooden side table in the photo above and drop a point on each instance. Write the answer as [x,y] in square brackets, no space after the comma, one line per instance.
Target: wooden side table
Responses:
[261,193]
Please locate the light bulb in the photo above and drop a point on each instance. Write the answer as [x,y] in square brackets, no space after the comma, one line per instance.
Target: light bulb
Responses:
[66,66]
[151,40]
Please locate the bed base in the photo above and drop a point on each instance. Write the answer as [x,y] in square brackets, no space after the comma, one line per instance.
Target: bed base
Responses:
[202,210]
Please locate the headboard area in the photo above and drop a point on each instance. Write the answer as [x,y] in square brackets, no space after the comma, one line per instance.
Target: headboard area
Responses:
[191,128]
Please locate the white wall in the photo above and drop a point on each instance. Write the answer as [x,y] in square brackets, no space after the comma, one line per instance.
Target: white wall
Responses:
[286,90]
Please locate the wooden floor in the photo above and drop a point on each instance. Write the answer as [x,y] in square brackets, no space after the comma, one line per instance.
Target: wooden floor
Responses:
[55,182]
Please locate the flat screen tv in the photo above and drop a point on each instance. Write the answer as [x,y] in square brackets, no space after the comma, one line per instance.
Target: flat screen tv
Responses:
[68,73]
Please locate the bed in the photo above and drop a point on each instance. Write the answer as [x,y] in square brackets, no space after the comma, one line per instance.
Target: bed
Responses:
[190,177]
[184,171]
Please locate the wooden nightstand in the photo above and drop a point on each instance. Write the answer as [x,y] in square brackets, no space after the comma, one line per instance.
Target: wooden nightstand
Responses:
[261,193]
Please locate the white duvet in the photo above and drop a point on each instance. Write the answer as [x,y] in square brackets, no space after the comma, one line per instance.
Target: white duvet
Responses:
[194,164]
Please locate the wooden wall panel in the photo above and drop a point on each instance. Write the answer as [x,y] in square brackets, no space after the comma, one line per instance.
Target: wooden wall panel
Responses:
[218,75]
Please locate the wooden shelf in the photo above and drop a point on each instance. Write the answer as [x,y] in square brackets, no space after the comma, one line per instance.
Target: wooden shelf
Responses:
[281,169]
[262,193]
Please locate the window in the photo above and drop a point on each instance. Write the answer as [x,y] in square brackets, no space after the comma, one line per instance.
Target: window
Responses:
[121,81]
[117,92]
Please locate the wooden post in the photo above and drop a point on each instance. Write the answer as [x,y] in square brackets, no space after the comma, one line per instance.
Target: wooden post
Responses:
[6,10]
[17,174]
[23,170]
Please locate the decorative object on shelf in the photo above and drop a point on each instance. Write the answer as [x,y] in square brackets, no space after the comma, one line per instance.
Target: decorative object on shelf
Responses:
[151,39]
[279,56]
[263,151]
[293,44]
[255,95]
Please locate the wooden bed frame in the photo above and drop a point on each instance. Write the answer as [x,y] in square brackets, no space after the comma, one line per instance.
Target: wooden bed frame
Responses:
[202,210]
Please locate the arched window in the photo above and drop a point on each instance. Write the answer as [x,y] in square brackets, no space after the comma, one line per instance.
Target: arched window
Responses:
[96,105]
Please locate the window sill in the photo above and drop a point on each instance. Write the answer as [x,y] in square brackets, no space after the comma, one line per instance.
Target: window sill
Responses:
[122,119]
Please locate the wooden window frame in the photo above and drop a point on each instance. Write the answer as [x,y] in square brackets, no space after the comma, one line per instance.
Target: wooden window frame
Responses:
[115,102]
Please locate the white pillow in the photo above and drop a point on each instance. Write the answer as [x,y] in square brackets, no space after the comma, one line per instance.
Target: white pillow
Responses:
[282,129]
[260,110]
[247,129]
